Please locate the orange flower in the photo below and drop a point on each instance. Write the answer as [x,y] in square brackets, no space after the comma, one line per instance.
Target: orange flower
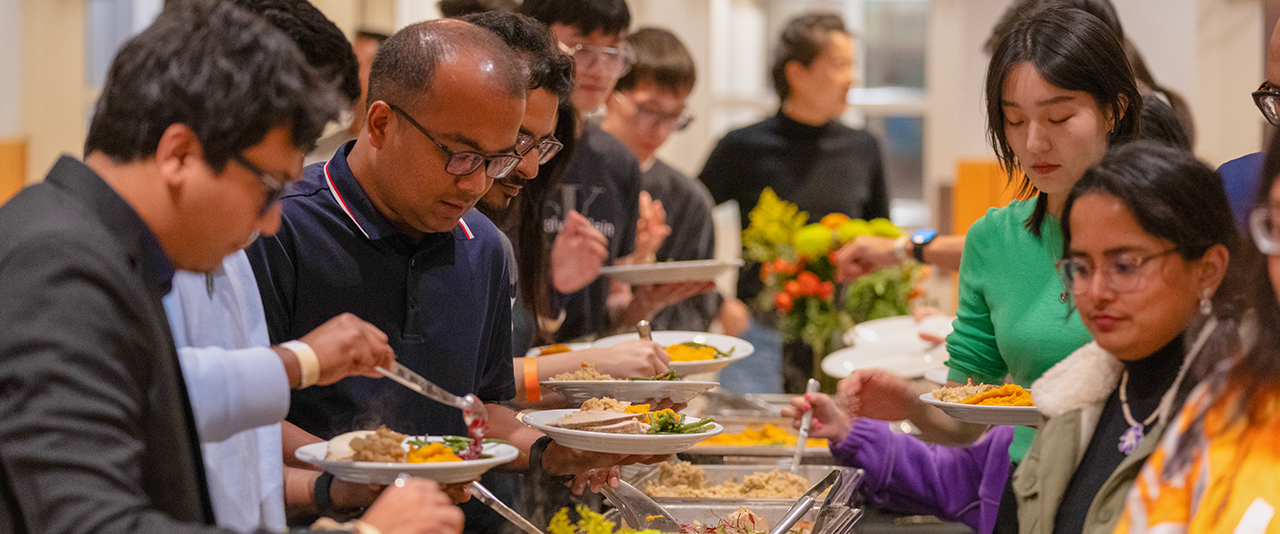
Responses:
[833,220]
[792,288]
[809,283]
[782,301]
[825,290]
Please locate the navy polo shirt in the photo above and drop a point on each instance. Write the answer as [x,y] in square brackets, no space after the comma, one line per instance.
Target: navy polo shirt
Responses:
[444,302]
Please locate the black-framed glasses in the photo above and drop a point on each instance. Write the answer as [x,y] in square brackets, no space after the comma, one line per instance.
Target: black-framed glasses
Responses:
[547,148]
[652,119]
[586,56]
[1267,97]
[1121,273]
[1265,229]
[276,187]
[465,162]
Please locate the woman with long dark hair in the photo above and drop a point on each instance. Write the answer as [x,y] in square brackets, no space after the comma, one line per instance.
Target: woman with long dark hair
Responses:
[1216,469]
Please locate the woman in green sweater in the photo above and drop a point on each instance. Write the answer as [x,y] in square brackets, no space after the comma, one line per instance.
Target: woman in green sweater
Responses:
[1059,91]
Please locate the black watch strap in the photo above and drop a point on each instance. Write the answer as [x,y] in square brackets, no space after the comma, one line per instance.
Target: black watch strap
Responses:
[321,498]
[535,460]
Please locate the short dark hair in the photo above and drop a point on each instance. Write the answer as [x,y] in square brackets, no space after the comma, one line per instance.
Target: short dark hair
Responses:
[1021,9]
[661,59]
[320,41]
[456,9]
[548,67]
[610,17]
[223,72]
[405,66]
[801,41]
[1071,50]
[1160,124]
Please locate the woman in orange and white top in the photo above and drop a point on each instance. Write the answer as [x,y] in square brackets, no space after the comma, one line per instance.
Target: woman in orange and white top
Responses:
[1218,469]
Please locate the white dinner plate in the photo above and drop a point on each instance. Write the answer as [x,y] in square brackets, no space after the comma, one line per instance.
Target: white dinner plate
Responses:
[987,415]
[615,443]
[536,351]
[740,348]
[892,344]
[386,472]
[669,272]
[633,391]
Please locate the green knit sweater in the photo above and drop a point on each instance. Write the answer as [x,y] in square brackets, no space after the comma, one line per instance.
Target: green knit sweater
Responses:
[1010,319]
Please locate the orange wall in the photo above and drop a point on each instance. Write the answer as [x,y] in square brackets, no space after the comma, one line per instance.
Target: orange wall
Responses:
[980,184]
[13,167]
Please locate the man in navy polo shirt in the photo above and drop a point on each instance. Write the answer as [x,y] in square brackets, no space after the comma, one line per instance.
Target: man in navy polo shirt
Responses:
[385,230]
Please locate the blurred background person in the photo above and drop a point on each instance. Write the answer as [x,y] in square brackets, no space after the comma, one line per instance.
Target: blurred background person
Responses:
[649,103]
[808,157]
[365,47]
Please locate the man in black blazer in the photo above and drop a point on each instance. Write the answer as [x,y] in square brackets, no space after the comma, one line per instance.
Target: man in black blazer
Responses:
[202,125]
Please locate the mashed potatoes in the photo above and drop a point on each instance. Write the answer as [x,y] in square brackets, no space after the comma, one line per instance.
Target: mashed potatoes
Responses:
[587,372]
[686,480]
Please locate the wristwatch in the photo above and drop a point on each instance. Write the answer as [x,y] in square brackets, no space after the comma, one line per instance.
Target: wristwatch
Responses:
[919,239]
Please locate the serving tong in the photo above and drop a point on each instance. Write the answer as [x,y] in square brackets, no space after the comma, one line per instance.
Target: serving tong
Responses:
[638,510]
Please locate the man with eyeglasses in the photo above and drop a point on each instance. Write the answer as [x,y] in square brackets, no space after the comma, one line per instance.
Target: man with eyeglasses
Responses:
[602,182]
[1241,175]
[647,106]
[98,433]
[385,230]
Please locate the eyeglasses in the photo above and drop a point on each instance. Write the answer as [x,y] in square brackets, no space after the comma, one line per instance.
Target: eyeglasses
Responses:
[465,162]
[651,119]
[1122,273]
[1267,97]
[585,56]
[547,148]
[1266,230]
[276,187]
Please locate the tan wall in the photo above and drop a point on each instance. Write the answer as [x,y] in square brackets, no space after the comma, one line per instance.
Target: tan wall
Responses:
[55,106]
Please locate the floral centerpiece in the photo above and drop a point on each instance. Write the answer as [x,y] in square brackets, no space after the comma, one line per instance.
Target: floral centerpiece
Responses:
[798,270]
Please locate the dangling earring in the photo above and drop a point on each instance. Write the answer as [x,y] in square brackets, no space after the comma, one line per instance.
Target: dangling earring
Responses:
[1206,305]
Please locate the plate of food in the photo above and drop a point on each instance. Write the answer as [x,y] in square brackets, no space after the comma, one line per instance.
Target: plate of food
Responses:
[892,344]
[557,348]
[692,352]
[585,383]
[669,272]
[987,404]
[617,427]
[379,456]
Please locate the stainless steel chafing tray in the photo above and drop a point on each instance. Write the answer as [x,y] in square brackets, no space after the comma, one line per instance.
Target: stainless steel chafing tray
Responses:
[712,514]
[717,474]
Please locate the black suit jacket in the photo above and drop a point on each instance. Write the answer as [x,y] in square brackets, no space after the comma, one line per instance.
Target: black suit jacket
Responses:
[96,432]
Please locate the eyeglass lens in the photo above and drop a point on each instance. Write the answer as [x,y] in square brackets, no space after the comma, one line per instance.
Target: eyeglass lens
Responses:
[1266,232]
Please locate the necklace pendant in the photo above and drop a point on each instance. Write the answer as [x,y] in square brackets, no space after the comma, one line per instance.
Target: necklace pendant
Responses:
[1130,439]
[1062,297]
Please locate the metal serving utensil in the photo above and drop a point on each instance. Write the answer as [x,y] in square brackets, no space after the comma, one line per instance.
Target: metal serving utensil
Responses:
[805,421]
[468,403]
[643,329]
[638,510]
[805,503]
[483,494]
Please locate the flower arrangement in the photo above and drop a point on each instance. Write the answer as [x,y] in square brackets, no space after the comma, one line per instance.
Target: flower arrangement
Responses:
[797,261]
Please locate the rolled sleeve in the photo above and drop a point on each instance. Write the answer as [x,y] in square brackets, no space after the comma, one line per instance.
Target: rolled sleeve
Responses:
[234,390]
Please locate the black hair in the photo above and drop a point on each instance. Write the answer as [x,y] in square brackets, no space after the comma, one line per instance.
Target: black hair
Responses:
[661,59]
[1021,9]
[223,72]
[1071,50]
[610,17]
[1175,197]
[405,65]
[320,41]
[456,9]
[548,67]
[1160,123]
[801,41]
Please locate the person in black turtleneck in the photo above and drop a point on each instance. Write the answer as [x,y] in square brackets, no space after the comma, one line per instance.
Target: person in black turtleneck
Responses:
[1147,237]
[807,156]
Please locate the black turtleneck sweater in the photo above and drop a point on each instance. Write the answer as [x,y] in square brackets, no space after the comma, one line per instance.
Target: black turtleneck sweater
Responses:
[823,169]
[1149,379]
